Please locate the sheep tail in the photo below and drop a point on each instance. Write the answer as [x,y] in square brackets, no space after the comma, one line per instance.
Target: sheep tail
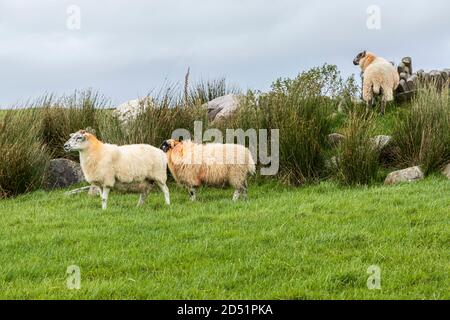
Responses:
[376,88]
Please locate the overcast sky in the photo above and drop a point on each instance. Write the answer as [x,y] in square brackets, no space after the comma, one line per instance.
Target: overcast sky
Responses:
[124,49]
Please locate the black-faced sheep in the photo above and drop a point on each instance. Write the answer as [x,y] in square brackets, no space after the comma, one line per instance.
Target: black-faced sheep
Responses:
[380,77]
[211,164]
[132,168]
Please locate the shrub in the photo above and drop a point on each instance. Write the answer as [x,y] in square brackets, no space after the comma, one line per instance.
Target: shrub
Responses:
[301,108]
[356,161]
[325,81]
[23,159]
[422,135]
[303,124]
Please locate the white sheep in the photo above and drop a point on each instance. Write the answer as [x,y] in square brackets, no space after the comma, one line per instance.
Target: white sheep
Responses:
[211,164]
[380,77]
[131,168]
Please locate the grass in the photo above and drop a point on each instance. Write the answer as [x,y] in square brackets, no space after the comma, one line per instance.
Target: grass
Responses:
[356,161]
[422,135]
[314,242]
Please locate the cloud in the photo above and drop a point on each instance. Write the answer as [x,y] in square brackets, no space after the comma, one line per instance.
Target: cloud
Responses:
[125,49]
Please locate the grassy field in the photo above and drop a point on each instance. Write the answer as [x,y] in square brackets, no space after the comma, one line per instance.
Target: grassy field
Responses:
[284,243]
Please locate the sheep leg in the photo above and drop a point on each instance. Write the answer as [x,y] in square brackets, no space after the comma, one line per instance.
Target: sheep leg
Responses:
[383,106]
[236,195]
[165,190]
[383,100]
[192,193]
[105,193]
[368,95]
[369,105]
[142,198]
[244,191]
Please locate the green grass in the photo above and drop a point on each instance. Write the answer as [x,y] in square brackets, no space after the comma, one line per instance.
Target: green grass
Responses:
[285,243]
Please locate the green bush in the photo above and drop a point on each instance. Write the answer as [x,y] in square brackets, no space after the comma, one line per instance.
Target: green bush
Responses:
[422,135]
[356,161]
[302,109]
[23,158]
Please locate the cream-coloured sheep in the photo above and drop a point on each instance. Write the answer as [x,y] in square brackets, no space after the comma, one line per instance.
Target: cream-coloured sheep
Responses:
[211,164]
[380,77]
[131,168]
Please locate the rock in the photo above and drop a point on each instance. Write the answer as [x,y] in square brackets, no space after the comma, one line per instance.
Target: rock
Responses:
[407,61]
[446,171]
[62,173]
[447,71]
[222,107]
[406,175]
[335,139]
[420,72]
[401,67]
[412,82]
[332,163]
[130,110]
[381,141]
[402,86]
[385,148]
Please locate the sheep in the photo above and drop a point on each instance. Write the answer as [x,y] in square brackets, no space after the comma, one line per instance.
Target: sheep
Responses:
[380,77]
[211,164]
[131,168]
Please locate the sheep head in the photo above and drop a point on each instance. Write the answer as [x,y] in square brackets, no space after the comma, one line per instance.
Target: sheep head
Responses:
[169,144]
[364,59]
[359,57]
[79,141]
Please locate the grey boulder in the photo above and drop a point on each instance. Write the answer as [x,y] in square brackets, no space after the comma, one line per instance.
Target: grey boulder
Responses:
[62,173]
[223,107]
[446,171]
[406,175]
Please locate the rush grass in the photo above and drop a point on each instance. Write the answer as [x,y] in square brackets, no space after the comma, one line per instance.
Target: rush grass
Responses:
[315,242]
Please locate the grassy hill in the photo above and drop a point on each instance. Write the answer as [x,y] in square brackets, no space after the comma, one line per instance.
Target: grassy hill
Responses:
[285,243]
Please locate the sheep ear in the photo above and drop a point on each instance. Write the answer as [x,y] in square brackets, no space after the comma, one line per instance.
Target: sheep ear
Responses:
[90,130]
[71,135]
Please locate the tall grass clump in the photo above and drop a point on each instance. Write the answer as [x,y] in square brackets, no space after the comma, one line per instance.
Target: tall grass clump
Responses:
[23,158]
[203,91]
[58,117]
[422,135]
[160,116]
[301,109]
[356,161]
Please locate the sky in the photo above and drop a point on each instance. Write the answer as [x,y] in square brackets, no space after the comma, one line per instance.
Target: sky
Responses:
[126,49]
